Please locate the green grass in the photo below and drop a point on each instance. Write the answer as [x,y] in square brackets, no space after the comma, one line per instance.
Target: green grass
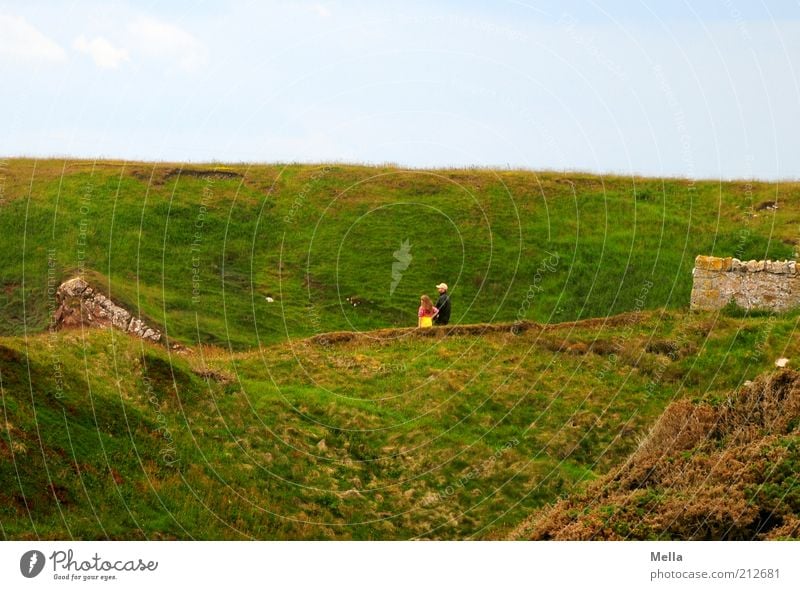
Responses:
[257,433]
[197,255]
[454,437]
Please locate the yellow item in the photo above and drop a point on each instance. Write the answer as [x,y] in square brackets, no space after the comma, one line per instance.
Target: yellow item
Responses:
[425,322]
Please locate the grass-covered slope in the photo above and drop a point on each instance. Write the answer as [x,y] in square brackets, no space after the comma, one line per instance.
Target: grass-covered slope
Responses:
[196,250]
[389,435]
[279,422]
[724,471]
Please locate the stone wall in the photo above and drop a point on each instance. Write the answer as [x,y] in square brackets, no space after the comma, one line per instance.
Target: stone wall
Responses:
[79,304]
[757,285]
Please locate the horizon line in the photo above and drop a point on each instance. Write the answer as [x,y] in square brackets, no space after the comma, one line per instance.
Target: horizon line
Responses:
[368,164]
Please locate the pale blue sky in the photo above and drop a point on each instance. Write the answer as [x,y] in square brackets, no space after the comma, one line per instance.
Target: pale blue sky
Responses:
[699,89]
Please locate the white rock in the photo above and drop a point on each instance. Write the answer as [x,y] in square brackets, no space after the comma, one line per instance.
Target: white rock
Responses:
[270,300]
[781,362]
[98,306]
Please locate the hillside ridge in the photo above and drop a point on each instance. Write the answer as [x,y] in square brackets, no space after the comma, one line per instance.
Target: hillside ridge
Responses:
[477,329]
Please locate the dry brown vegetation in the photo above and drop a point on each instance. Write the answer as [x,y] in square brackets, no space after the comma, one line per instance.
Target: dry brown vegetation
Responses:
[704,472]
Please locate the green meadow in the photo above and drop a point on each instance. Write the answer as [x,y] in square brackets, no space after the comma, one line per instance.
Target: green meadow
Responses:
[197,250]
[265,425]
[433,436]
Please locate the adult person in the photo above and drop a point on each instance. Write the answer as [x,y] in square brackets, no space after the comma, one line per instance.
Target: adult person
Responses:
[442,317]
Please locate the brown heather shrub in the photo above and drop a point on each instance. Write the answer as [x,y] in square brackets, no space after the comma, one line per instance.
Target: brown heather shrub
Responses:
[789,530]
[769,405]
[702,473]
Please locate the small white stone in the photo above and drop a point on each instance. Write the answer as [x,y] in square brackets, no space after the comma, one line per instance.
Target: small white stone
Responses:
[781,362]
[270,300]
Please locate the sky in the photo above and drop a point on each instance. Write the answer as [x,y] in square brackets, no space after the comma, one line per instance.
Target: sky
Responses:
[702,89]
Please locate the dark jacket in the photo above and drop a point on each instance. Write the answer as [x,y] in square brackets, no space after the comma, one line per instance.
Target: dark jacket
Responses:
[443,305]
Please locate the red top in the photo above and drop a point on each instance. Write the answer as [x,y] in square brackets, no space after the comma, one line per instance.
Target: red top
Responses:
[427,314]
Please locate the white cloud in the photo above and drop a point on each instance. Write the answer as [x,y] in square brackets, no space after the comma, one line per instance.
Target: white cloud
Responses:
[21,41]
[102,52]
[161,39]
[321,10]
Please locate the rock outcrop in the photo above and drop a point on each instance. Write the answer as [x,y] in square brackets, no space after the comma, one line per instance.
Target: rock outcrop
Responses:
[81,305]
[757,284]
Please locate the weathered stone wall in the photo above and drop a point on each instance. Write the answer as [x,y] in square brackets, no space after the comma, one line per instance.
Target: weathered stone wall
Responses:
[79,304]
[757,285]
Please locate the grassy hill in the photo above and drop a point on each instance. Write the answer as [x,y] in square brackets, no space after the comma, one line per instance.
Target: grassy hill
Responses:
[387,436]
[318,416]
[198,249]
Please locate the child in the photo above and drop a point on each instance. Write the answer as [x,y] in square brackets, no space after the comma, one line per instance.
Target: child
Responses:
[426,312]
